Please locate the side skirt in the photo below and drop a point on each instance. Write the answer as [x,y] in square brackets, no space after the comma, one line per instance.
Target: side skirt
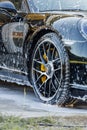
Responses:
[14,76]
[79,92]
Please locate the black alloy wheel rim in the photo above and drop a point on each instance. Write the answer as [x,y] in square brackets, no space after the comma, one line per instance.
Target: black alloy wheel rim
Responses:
[47,70]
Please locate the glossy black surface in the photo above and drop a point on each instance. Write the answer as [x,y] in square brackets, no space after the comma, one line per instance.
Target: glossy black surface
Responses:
[19,35]
[8,5]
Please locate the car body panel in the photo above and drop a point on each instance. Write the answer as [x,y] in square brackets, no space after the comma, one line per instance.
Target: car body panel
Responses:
[19,35]
[13,35]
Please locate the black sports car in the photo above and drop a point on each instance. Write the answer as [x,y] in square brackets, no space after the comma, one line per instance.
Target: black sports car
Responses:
[44,45]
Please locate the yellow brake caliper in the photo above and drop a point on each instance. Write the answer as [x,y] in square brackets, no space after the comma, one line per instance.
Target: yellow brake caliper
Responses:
[43,68]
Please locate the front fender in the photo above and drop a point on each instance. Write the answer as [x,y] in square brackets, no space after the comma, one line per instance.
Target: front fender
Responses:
[68,28]
[75,43]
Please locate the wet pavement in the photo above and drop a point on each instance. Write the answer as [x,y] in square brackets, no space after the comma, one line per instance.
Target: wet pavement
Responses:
[21,101]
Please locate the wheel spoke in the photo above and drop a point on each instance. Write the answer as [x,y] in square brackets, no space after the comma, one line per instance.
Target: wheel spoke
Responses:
[48,51]
[54,86]
[38,71]
[56,79]
[45,54]
[41,57]
[49,89]
[53,53]
[44,50]
[36,61]
[59,68]
[44,89]
[38,79]
[43,84]
[56,60]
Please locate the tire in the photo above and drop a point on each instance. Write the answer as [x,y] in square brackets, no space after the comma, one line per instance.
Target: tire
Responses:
[50,70]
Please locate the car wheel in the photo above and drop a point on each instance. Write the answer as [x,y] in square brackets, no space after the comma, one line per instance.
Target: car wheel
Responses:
[50,70]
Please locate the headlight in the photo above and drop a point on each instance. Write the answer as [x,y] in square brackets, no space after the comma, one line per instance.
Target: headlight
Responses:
[83,27]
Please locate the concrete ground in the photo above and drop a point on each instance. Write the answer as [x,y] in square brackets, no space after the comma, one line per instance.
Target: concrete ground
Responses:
[21,101]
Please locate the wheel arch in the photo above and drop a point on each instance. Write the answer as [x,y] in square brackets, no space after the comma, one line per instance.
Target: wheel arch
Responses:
[30,42]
